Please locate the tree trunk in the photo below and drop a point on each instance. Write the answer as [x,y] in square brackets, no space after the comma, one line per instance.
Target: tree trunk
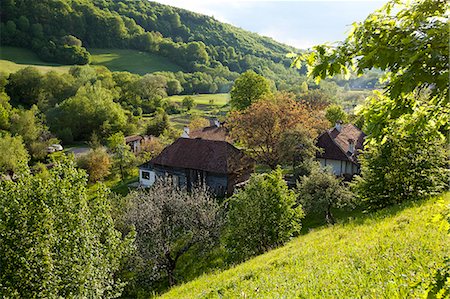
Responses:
[329,216]
[171,263]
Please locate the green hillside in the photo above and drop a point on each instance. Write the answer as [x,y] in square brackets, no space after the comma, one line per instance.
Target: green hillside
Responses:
[132,61]
[382,255]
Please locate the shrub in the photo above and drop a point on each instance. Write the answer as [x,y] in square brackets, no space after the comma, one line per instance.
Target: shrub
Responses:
[321,190]
[262,216]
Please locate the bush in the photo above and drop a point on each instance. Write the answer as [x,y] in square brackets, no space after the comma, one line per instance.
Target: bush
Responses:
[410,163]
[158,124]
[262,216]
[321,190]
[96,162]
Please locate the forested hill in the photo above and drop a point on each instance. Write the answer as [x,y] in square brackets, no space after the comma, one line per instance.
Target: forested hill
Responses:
[63,31]
[185,26]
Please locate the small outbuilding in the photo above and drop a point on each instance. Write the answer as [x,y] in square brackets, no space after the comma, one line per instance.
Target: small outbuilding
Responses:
[341,146]
[214,163]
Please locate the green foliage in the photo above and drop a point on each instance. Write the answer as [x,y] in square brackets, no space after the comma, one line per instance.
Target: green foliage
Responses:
[95,111]
[389,254]
[56,239]
[14,155]
[405,156]
[262,216]
[247,89]
[123,158]
[321,191]
[409,162]
[335,113]
[188,103]
[24,87]
[158,124]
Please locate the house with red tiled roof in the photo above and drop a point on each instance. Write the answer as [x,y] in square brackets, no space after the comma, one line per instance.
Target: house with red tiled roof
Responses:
[340,147]
[216,131]
[215,163]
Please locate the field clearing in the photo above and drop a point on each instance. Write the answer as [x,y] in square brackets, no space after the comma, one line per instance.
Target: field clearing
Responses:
[207,105]
[132,61]
[13,59]
[218,99]
[387,254]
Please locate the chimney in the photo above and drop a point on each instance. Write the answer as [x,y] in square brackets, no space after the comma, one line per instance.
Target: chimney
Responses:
[351,146]
[338,125]
[185,133]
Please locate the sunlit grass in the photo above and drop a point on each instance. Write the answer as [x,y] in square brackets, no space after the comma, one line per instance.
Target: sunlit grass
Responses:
[387,254]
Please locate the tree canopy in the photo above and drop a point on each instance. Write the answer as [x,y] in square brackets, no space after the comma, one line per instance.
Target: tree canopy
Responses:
[247,89]
[408,40]
[57,239]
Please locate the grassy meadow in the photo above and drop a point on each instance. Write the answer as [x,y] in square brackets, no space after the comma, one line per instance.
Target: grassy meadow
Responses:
[13,59]
[132,61]
[387,254]
[206,105]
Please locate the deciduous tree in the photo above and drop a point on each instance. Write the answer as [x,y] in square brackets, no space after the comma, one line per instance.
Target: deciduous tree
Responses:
[266,127]
[335,113]
[248,88]
[169,221]
[96,162]
[321,191]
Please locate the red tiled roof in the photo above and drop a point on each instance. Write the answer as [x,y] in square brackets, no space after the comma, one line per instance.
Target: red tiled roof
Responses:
[335,143]
[201,154]
[210,133]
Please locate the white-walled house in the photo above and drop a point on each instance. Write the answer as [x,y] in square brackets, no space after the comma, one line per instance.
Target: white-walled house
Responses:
[216,164]
[340,148]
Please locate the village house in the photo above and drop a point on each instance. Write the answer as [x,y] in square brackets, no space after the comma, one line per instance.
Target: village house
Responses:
[340,148]
[217,164]
[135,142]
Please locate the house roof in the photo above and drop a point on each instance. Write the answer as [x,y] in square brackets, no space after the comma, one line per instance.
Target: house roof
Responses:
[132,138]
[335,143]
[210,133]
[201,154]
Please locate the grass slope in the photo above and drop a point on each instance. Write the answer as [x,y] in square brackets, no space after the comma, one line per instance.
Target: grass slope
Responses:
[13,59]
[132,61]
[382,255]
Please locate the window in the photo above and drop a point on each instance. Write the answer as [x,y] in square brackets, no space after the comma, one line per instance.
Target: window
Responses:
[145,175]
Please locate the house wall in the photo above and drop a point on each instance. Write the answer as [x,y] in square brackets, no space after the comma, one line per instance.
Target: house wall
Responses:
[147,182]
[217,183]
[186,177]
[339,167]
